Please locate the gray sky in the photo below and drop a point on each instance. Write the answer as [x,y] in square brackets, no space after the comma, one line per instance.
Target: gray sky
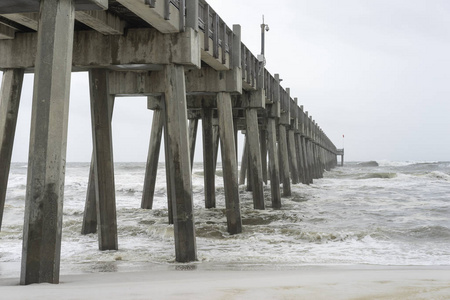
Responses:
[373,70]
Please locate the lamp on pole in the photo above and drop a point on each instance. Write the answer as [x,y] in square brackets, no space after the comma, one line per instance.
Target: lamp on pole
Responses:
[264,28]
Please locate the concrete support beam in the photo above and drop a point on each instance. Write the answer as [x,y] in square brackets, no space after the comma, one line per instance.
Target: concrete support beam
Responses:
[9,108]
[254,148]
[284,161]
[103,158]
[209,80]
[25,6]
[29,20]
[209,167]
[254,99]
[274,166]
[6,32]
[139,48]
[152,159]
[179,162]
[229,163]
[48,141]
[101,21]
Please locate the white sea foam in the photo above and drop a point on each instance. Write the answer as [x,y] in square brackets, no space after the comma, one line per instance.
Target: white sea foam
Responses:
[341,219]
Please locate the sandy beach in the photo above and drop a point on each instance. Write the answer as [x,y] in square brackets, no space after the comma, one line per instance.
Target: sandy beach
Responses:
[200,282]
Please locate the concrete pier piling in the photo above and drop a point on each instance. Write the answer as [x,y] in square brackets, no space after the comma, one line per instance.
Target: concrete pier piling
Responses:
[153,157]
[9,108]
[105,192]
[180,164]
[209,165]
[254,164]
[229,163]
[48,142]
[190,65]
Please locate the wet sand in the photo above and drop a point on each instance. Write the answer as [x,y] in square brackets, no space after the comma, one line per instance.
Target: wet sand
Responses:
[200,282]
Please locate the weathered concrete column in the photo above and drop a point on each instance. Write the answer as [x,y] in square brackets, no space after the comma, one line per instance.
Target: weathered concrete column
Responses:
[244,163]
[310,159]
[105,193]
[89,224]
[306,160]
[300,160]
[249,173]
[293,157]
[193,126]
[9,108]
[216,140]
[229,163]
[209,167]
[251,117]
[169,171]
[179,163]
[48,142]
[263,143]
[152,159]
[284,162]
[273,162]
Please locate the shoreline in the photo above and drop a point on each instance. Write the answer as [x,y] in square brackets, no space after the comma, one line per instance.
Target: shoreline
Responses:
[208,281]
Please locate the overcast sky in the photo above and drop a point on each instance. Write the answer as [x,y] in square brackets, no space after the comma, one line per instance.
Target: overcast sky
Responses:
[376,71]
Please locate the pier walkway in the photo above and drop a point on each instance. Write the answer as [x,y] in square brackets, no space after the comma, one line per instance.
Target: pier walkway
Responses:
[191,66]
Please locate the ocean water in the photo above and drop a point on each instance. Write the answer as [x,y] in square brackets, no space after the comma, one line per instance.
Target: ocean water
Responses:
[396,213]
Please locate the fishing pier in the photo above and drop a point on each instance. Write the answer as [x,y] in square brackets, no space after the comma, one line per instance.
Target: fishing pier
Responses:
[191,66]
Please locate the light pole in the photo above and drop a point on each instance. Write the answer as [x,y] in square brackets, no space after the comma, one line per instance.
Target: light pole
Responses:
[264,28]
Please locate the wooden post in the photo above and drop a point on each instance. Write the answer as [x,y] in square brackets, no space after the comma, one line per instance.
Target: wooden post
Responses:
[209,170]
[284,163]
[229,163]
[179,163]
[48,142]
[255,157]
[193,126]
[9,108]
[152,159]
[103,159]
[274,165]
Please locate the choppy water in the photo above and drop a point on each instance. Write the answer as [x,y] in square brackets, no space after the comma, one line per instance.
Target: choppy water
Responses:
[394,214]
